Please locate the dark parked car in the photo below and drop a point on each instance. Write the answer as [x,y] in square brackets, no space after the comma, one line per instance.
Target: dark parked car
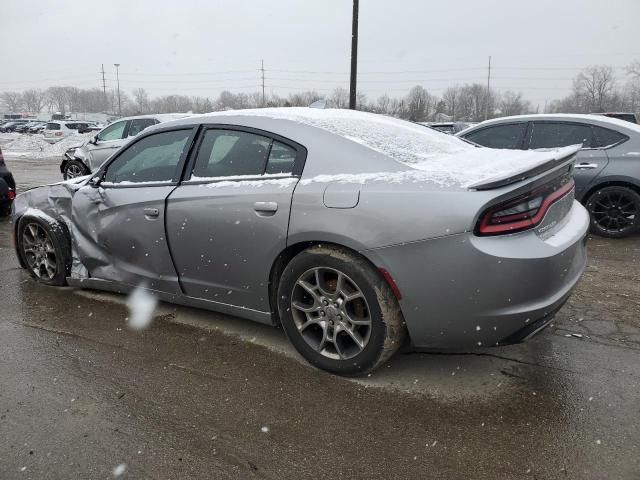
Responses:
[607,171]
[7,188]
[448,127]
[627,117]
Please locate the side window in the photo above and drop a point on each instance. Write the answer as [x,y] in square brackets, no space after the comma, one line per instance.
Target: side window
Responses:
[112,132]
[281,159]
[225,153]
[500,136]
[553,135]
[153,159]
[140,124]
[605,137]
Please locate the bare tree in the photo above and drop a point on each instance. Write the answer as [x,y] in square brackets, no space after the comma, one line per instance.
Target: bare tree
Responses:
[596,84]
[451,97]
[141,101]
[33,99]
[512,103]
[13,101]
[58,98]
[339,98]
[418,104]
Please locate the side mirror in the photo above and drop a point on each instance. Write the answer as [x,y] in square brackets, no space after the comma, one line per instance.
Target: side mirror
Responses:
[95,181]
[94,140]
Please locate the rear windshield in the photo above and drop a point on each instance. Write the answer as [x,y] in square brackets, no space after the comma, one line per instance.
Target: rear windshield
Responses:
[53,126]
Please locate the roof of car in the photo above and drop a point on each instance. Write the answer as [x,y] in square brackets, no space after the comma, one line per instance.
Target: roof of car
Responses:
[162,117]
[600,120]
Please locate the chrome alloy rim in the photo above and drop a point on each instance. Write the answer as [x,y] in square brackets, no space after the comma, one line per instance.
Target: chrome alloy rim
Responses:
[331,313]
[39,251]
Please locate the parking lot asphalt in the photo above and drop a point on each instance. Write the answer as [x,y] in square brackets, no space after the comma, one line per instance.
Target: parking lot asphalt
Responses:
[202,395]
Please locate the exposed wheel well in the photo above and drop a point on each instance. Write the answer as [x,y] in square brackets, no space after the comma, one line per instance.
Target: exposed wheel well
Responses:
[283,260]
[591,191]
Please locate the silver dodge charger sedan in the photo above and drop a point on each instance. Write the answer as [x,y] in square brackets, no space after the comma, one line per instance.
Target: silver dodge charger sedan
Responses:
[355,232]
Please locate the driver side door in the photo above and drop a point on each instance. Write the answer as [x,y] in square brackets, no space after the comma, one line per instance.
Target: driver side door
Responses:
[119,219]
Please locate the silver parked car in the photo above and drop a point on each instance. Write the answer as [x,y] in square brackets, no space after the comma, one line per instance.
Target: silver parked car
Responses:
[355,232]
[607,170]
[86,158]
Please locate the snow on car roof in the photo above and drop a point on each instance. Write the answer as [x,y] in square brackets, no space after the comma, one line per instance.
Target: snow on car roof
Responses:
[398,139]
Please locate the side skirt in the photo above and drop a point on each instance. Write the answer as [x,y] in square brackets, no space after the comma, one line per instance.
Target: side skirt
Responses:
[224,308]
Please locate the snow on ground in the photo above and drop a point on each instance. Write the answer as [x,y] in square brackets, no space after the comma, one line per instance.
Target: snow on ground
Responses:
[35,146]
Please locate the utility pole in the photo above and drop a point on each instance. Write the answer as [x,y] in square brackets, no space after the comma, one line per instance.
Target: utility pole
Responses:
[486,110]
[262,70]
[118,81]
[104,89]
[354,56]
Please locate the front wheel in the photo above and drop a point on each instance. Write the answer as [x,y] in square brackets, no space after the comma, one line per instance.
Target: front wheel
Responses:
[338,311]
[45,249]
[74,169]
[615,211]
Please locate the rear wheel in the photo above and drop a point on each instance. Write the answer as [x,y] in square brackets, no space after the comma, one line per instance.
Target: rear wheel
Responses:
[74,169]
[338,311]
[45,249]
[615,211]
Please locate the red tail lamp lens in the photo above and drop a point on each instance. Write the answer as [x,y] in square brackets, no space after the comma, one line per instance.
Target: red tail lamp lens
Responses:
[524,212]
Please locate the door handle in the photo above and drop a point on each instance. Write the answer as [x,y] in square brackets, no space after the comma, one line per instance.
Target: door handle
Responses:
[586,166]
[265,208]
[151,212]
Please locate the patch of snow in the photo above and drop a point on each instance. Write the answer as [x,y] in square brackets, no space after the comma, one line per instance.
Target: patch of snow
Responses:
[34,146]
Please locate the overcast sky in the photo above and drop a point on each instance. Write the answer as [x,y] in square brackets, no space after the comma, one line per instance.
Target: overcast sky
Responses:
[200,47]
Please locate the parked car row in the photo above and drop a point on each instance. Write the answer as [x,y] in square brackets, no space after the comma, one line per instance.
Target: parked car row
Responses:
[7,187]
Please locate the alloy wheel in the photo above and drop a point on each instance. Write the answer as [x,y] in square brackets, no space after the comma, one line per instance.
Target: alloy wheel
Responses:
[331,313]
[614,211]
[39,251]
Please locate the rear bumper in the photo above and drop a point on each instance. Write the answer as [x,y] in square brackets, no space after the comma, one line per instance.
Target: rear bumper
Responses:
[463,291]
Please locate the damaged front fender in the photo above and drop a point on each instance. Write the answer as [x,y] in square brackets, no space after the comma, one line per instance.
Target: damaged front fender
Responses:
[52,203]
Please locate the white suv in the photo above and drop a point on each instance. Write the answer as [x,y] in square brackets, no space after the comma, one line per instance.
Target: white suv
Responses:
[58,129]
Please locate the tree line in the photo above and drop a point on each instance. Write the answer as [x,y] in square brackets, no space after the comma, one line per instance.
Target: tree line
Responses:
[595,89]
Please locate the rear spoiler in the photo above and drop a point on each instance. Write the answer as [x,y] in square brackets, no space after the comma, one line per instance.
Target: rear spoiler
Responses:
[556,157]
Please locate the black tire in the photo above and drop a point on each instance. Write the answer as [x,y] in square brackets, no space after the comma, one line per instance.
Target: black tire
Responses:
[385,333]
[614,211]
[5,209]
[72,167]
[59,256]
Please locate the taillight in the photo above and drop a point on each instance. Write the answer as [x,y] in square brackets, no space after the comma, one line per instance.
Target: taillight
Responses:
[58,134]
[11,194]
[523,212]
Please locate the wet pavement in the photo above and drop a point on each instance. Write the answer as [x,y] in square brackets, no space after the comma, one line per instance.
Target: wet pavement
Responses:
[201,395]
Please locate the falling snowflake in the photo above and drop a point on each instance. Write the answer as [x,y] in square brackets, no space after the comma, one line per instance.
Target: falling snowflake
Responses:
[119,470]
[141,307]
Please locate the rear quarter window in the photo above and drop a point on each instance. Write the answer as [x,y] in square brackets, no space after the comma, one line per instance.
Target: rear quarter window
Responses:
[605,138]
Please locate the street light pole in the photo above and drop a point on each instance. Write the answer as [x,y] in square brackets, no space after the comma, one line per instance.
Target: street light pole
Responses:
[354,56]
[118,81]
